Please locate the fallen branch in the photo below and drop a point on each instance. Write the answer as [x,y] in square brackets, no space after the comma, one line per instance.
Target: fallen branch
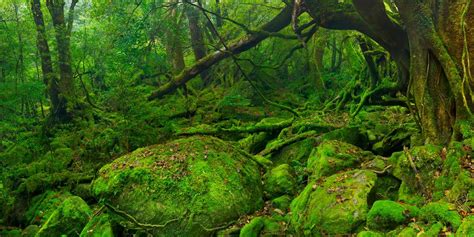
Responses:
[259,127]
[287,142]
[247,42]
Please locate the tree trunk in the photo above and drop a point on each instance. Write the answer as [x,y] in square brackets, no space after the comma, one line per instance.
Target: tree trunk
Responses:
[440,35]
[197,38]
[63,41]
[58,104]
[174,49]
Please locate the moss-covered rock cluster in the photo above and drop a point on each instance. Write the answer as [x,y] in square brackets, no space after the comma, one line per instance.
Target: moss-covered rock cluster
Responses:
[187,187]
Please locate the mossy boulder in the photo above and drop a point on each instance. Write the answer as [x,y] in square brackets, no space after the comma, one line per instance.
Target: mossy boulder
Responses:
[253,228]
[442,212]
[454,183]
[279,181]
[386,188]
[42,206]
[296,153]
[98,226]
[426,160]
[263,226]
[337,206]
[189,185]
[467,227]
[68,219]
[30,231]
[408,232]
[282,202]
[410,195]
[333,156]
[386,215]
[369,234]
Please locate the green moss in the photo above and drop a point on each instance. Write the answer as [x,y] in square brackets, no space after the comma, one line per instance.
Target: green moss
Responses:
[262,226]
[386,215]
[407,195]
[43,206]
[386,188]
[282,202]
[253,228]
[255,142]
[433,231]
[10,233]
[98,226]
[192,185]
[297,152]
[369,234]
[279,181]
[30,231]
[337,206]
[408,232]
[351,135]
[272,227]
[68,219]
[333,156]
[440,211]
[467,227]
[426,160]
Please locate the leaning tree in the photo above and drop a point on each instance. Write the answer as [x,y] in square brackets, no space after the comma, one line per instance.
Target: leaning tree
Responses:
[430,41]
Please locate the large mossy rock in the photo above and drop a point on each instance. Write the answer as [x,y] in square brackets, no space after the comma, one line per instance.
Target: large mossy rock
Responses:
[426,160]
[386,215]
[296,153]
[467,227]
[68,219]
[279,181]
[336,207]
[441,212]
[333,156]
[190,185]
[42,206]
[98,226]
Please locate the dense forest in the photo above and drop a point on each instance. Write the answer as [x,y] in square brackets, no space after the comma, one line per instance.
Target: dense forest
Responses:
[237,118]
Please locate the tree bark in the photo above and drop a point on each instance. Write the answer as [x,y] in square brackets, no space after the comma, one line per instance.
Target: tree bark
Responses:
[441,86]
[58,104]
[174,48]
[63,40]
[197,38]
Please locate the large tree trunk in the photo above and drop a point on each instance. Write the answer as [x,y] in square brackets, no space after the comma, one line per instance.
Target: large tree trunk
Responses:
[58,104]
[63,40]
[197,38]
[174,48]
[441,82]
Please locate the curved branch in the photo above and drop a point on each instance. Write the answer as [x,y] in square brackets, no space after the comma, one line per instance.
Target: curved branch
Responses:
[247,42]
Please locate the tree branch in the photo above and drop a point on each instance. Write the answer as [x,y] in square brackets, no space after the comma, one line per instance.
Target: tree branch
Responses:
[247,42]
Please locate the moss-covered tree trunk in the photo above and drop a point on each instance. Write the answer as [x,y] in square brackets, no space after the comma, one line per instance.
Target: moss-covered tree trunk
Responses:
[440,34]
[58,104]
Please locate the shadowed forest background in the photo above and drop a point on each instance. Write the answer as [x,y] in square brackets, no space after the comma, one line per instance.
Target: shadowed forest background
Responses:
[236,118]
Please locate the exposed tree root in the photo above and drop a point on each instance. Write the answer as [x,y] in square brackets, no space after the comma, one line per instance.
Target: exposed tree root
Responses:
[287,142]
[132,219]
[259,127]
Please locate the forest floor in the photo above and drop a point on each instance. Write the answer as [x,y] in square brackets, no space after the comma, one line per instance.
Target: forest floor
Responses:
[231,171]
